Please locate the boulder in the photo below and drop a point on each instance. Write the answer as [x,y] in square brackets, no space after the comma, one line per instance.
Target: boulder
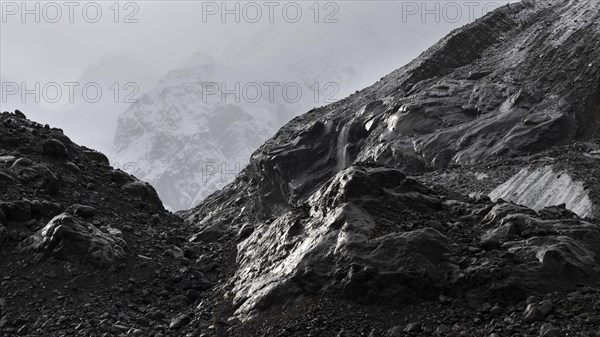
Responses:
[17,211]
[36,174]
[82,211]
[142,191]
[20,114]
[44,209]
[96,156]
[7,160]
[71,238]
[55,148]
[120,177]
[549,254]
[179,321]
[3,235]
[337,244]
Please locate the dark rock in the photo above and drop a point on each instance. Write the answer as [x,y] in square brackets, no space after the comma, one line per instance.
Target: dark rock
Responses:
[142,191]
[7,160]
[245,231]
[143,321]
[20,114]
[207,235]
[96,156]
[83,211]
[496,310]
[19,211]
[546,307]
[3,234]
[443,330]
[71,238]
[120,178]
[55,148]
[548,330]
[477,75]
[200,284]
[413,327]
[44,209]
[490,244]
[73,167]
[37,175]
[192,296]
[533,313]
[365,268]
[395,331]
[179,321]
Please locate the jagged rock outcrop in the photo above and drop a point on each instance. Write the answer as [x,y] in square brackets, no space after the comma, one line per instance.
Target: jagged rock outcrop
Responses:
[415,118]
[342,242]
[522,80]
[69,237]
[372,235]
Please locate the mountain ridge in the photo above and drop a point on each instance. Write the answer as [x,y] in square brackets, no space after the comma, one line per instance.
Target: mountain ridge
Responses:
[504,86]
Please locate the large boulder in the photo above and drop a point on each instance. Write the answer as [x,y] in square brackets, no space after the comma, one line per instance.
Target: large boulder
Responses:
[96,156]
[55,148]
[338,244]
[526,254]
[25,210]
[18,211]
[72,238]
[36,174]
[143,191]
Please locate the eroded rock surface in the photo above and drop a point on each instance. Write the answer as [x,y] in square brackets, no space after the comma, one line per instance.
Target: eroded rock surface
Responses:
[320,212]
[338,242]
[69,237]
[543,187]
[367,217]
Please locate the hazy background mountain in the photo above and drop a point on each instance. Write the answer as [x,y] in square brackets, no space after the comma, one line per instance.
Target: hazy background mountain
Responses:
[171,131]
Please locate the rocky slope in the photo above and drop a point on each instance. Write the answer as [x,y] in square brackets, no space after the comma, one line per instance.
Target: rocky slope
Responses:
[86,249]
[388,213]
[506,106]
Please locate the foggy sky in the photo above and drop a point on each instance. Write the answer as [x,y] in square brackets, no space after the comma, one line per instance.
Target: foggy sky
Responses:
[153,37]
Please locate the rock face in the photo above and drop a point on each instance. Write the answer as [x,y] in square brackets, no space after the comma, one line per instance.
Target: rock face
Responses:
[544,187]
[340,242]
[197,128]
[367,217]
[372,235]
[68,237]
[333,214]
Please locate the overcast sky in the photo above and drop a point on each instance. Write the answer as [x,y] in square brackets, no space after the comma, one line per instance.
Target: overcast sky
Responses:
[57,42]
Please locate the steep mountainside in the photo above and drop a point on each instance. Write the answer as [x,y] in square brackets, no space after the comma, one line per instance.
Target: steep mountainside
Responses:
[325,207]
[458,196]
[190,140]
[86,249]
